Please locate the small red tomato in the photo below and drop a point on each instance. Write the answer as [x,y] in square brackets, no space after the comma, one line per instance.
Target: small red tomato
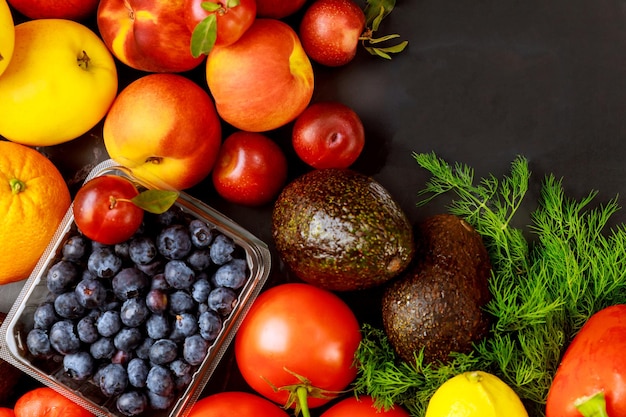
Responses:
[233,403]
[251,169]
[103,211]
[298,337]
[362,407]
[47,402]
[230,20]
[330,31]
[328,135]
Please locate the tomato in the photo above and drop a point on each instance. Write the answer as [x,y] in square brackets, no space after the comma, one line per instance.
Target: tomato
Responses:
[594,363]
[362,407]
[298,337]
[234,403]
[6,412]
[103,210]
[251,169]
[45,401]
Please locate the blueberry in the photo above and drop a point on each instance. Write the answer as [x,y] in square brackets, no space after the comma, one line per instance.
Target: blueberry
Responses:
[61,277]
[103,348]
[183,373]
[160,381]
[137,370]
[122,357]
[134,312]
[67,306]
[210,324]
[174,242]
[201,233]
[113,379]
[45,316]
[38,343]
[163,351]
[222,300]
[185,324]
[195,348]
[75,248]
[158,326]
[142,250]
[122,250]
[200,289]
[127,339]
[129,283]
[222,249]
[232,274]
[87,330]
[109,323]
[90,293]
[160,402]
[199,259]
[153,268]
[131,403]
[159,282]
[179,275]
[143,350]
[79,365]
[104,263]
[173,215]
[157,301]
[181,302]
[63,337]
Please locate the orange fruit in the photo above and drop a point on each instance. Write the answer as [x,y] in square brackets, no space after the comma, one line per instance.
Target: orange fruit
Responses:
[33,199]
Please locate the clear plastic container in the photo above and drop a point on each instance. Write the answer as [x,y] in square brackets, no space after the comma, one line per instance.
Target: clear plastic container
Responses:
[19,320]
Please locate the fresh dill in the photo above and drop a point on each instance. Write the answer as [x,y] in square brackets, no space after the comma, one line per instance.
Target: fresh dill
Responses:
[543,289]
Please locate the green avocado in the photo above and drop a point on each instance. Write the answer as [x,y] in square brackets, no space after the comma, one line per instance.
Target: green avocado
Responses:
[341,230]
[437,303]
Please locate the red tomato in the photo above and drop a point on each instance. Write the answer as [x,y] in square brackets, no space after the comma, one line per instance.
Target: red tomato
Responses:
[6,412]
[362,407]
[296,330]
[231,20]
[251,169]
[45,401]
[235,404]
[594,362]
[103,212]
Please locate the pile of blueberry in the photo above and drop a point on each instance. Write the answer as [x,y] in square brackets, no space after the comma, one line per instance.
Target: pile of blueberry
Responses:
[138,318]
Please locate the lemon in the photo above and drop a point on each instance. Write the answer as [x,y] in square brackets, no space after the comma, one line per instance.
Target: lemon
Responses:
[475,394]
[7,35]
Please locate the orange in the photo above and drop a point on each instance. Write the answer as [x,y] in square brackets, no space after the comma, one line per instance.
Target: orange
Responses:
[33,199]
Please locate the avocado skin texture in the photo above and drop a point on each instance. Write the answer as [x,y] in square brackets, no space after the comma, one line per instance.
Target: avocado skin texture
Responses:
[437,303]
[341,230]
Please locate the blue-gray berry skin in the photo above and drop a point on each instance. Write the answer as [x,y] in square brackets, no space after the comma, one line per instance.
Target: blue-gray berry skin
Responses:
[79,366]
[199,259]
[132,403]
[137,370]
[160,402]
[63,337]
[127,339]
[129,283]
[134,312]
[67,306]
[179,275]
[222,249]
[109,323]
[91,293]
[174,242]
[103,348]
[181,302]
[222,300]
[87,330]
[62,276]
[160,381]
[113,380]
[201,233]
[75,248]
[163,351]
[232,274]
[45,316]
[200,289]
[104,263]
[195,349]
[38,343]
[184,325]
[158,326]
[210,324]
[142,250]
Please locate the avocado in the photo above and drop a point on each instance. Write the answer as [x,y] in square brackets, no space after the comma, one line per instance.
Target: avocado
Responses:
[341,230]
[437,303]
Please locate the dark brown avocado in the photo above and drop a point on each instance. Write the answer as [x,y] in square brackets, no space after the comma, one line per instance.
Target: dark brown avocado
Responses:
[341,230]
[437,304]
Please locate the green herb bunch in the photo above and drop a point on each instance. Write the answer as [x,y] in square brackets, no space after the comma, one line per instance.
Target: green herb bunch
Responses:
[544,289]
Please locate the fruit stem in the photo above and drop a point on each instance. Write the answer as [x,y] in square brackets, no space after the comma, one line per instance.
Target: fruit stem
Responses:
[592,406]
[83,61]
[17,186]
[303,402]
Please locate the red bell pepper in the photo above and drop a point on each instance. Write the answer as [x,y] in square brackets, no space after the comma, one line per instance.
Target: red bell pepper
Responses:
[591,378]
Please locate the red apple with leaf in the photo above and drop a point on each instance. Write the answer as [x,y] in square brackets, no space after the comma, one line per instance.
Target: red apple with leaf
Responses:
[251,169]
[55,9]
[328,135]
[217,23]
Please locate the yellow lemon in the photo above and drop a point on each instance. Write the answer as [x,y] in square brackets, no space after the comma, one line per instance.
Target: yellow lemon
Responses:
[7,35]
[475,394]
[59,84]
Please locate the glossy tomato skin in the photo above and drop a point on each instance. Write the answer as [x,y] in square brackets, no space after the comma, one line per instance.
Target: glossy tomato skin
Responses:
[363,406]
[101,221]
[235,404]
[302,328]
[231,23]
[47,402]
[6,412]
[328,134]
[592,363]
[251,169]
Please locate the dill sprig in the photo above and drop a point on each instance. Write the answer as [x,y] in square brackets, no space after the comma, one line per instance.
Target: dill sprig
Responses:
[543,289]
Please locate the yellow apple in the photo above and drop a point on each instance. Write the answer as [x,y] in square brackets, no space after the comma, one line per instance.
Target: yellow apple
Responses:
[164,128]
[7,35]
[262,81]
[59,84]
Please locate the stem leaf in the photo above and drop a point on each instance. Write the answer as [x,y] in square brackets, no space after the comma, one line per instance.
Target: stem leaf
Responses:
[203,36]
[155,201]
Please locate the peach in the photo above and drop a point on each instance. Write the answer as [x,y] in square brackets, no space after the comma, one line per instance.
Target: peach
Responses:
[164,128]
[262,81]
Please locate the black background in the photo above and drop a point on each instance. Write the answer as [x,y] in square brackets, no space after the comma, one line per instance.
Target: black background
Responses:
[481,82]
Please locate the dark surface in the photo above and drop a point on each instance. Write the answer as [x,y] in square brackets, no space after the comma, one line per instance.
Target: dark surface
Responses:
[481,82]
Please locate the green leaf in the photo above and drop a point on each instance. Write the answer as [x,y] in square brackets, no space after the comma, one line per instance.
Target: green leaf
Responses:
[210,6]
[377,10]
[155,201]
[383,38]
[203,36]
[232,3]
[377,52]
